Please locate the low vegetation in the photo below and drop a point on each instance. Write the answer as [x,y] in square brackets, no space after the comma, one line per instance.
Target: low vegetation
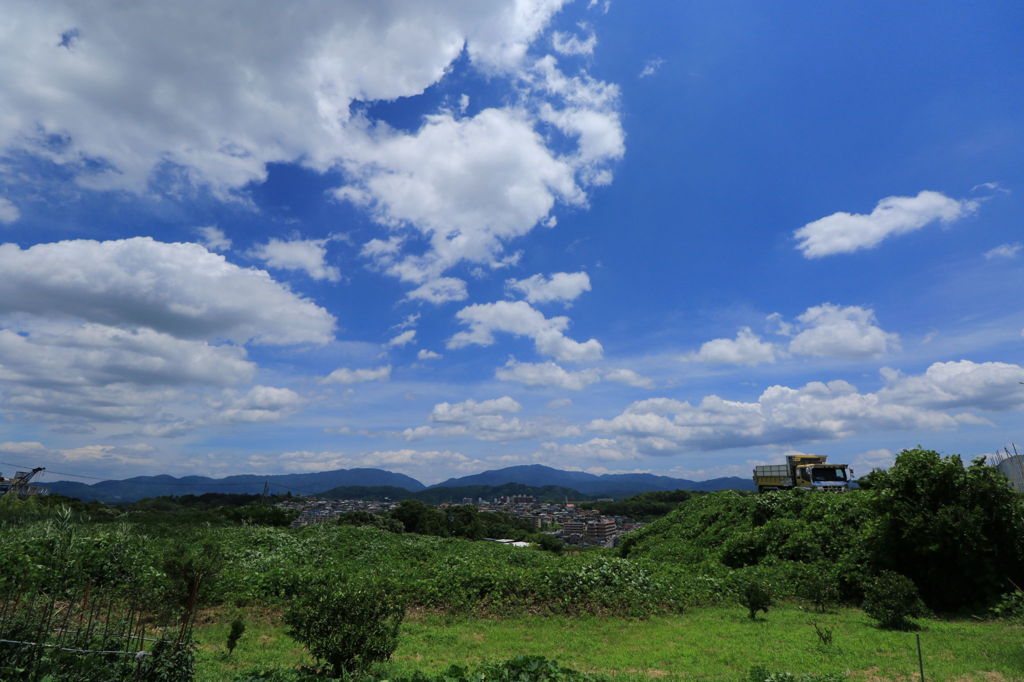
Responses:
[711,643]
[895,549]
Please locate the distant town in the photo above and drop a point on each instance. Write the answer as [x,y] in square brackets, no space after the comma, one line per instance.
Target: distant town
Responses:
[573,525]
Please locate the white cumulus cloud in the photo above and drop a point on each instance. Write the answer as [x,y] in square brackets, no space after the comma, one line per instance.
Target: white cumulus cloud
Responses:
[520,319]
[823,331]
[306,255]
[486,420]
[550,374]
[100,91]
[460,412]
[833,331]
[848,232]
[781,415]
[178,289]
[344,375]
[629,378]
[547,374]
[213,238]
[142,334]
[746,349]
[269,86]
[959,384]
[260,404]
[443,181]
[785,416]
[560,286]
[440,290]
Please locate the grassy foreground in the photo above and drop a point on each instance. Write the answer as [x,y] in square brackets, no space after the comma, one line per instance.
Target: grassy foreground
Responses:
[718,643]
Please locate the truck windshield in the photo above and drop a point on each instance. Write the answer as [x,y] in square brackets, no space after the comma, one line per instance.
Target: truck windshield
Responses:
[829,474]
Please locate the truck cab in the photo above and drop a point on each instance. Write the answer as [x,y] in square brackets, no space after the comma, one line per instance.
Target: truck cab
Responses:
[829,477]
[811,472]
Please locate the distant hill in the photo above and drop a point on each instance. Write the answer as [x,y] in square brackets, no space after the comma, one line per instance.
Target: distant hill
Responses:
[377,483]
[609,485]
[369,492]
[437,495]
[131,489]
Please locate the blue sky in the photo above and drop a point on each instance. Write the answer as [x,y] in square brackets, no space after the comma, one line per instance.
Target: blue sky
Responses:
[441,237]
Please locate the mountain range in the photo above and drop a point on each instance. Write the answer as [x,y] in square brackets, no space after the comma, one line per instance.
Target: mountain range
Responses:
[131,489]
[535,475]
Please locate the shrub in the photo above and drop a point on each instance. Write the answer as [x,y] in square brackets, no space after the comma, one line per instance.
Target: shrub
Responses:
[1010,606]
[892,599]
[348,627]
[943,524]
[755,597]
[818,583]
[824,634]
[237,629]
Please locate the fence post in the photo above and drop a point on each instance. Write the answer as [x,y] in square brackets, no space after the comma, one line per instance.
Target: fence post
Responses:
[920,659]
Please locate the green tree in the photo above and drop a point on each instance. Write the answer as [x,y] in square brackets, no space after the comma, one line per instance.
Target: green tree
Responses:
[956,531]
[755,597]
[365,518]
[548,543]
[348,627]
[464,522]
[892,600]
[419,517]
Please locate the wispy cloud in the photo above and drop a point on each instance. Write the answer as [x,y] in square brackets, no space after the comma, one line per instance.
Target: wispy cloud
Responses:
[651,67]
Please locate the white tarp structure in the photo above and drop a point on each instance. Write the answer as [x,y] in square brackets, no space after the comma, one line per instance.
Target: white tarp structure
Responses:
[1012,467]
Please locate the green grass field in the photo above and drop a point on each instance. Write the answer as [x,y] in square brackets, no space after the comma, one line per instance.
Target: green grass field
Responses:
[703,644]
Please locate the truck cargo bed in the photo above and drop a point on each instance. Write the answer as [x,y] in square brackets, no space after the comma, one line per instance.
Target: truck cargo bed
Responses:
[772,475]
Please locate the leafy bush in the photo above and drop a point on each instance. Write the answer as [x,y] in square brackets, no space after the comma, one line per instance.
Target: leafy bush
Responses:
[819,584]
[1010,606]
[349,627]
[892,599]
[943,524]
[754,597]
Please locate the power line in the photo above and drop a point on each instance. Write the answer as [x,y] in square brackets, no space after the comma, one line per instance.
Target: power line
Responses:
[52,471]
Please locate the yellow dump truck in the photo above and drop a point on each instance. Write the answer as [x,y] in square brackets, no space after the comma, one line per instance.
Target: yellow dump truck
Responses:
[803,471]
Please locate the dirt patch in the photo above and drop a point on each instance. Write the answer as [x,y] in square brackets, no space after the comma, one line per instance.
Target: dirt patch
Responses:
[252,615]
[653,673]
